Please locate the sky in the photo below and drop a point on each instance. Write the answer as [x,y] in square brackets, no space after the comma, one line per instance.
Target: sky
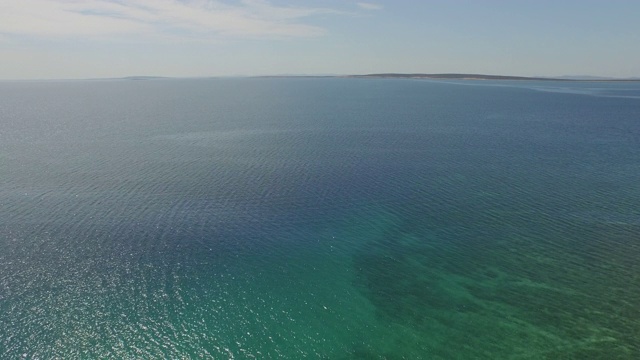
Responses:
[72,39]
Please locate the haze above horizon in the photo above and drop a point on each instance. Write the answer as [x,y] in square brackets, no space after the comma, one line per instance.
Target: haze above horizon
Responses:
[54,39]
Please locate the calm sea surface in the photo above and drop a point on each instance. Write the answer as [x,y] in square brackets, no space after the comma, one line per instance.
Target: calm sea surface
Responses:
[320,219]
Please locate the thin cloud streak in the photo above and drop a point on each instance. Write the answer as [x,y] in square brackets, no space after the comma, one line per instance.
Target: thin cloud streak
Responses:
[189,19]
[369,6]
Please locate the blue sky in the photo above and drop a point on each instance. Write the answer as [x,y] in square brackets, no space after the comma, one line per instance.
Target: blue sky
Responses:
[110,38]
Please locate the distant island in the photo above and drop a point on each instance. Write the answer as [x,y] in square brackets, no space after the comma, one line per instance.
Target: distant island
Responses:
[138,77]
[454,76]
[444,76]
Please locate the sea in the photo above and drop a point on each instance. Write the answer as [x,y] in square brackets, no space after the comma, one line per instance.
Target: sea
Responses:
[319,218]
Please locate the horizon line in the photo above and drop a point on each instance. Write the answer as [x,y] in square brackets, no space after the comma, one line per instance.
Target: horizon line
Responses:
[408,75]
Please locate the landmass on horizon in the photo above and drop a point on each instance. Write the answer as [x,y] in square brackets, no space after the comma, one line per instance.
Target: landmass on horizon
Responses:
[462,76]
[457,76]
[442,76]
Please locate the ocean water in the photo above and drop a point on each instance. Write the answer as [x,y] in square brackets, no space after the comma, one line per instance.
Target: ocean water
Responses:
[319,219]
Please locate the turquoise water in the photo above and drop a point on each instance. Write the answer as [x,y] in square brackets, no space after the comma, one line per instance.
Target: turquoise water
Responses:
[320,219]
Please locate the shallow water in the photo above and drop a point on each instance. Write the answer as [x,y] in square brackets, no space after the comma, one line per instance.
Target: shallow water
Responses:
[326,218]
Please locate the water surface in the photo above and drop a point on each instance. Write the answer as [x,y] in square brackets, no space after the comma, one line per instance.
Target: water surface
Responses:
[319,218]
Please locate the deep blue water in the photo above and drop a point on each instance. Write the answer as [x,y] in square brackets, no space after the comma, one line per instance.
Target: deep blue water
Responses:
[319,218]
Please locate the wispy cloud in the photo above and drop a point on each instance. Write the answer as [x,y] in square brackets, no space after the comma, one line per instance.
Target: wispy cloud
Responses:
[196,19]
[369,6]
